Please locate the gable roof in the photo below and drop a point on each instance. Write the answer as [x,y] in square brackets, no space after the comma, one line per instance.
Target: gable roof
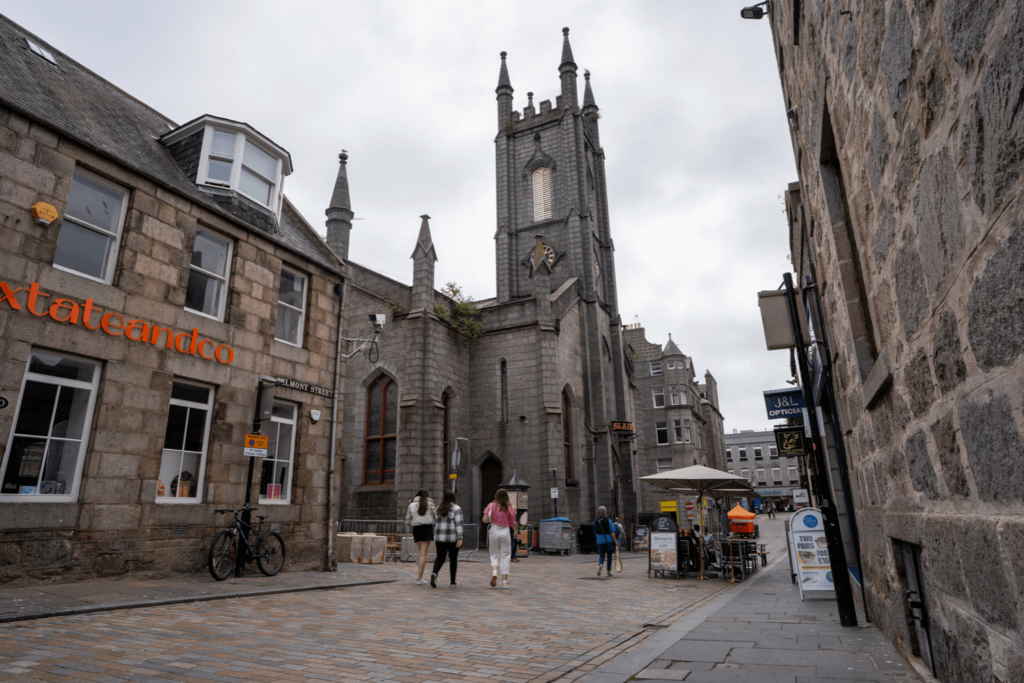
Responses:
[83,106]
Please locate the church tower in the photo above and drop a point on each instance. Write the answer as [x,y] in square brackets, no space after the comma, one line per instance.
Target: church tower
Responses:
[550,181]
[553,235]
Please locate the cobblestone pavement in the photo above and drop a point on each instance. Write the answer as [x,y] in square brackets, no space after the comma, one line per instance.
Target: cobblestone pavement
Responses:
[558,621]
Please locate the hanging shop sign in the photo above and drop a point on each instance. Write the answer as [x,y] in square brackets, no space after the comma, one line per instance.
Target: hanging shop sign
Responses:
[783,403]
[305,386]
[114,323]
[790,441]
[810,551]
[622,427]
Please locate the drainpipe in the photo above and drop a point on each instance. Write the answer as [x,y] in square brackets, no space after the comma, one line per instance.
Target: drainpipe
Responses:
[339,289]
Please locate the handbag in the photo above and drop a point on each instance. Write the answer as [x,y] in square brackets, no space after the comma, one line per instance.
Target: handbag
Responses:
[486,519]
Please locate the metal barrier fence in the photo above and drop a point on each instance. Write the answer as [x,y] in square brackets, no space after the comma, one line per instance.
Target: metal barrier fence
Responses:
[468,552]
[393,530]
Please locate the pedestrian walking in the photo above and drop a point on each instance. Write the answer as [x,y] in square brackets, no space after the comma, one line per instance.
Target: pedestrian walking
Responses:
[501,518]
[514,544]
[606,534]
[420,515]
[447,537]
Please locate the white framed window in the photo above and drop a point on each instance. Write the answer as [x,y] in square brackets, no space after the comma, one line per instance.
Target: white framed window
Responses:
[208,278]
[773,452]
[655,367]
[91,230]
[673,391]
[682,396]
[291,308]
[745,474]
[687,431]
[661,430]
[46,449]
[232,158]
[276,482]
[777,476]
[732,472]
[677,426]
[757,453]
[743,454]
[663,464]
[542,194]
[794,478]
[760,477]
[659,397]
[700,437]
[186,439]
[40,51]
[728,454]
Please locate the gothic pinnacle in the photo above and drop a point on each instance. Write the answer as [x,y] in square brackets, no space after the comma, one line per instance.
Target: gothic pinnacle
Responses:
[503,80]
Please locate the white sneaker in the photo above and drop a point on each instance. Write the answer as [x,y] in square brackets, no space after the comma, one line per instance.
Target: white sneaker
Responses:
[419,582]
[599,568]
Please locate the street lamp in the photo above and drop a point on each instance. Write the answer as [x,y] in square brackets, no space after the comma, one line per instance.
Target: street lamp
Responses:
[755,11]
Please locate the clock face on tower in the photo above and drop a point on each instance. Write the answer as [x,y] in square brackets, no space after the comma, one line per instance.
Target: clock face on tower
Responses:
[549,256]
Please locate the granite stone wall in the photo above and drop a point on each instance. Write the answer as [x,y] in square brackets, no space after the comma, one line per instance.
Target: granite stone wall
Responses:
[907,132]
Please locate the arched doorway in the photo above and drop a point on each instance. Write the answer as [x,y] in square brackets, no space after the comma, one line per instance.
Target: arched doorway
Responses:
[490,482]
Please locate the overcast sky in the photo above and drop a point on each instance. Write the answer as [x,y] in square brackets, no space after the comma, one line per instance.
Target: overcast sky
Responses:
[693,127]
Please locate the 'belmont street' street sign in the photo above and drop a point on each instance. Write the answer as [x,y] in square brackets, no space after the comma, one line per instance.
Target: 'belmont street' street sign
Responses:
[790,441]
[783,403]
[305,386]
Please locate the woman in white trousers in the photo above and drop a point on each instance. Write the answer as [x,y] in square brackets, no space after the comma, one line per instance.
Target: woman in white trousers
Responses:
[501,517]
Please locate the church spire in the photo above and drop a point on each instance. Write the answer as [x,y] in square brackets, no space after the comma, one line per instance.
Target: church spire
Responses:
[339,212]
[504,91]
[567,73]
[423,258]
[424,243]
[588,94]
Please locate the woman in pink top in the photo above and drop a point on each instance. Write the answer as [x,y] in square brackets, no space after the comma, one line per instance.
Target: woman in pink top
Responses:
[501,516]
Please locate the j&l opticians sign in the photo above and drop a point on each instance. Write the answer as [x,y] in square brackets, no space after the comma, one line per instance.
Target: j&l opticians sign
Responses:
[113,323]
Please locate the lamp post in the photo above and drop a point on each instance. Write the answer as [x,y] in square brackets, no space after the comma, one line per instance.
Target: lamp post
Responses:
[829,513]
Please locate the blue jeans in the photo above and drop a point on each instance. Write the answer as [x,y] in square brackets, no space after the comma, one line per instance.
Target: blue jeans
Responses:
[605,549]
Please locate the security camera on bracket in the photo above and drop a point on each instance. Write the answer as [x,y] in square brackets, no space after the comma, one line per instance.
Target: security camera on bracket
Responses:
[377,320]
[755,11]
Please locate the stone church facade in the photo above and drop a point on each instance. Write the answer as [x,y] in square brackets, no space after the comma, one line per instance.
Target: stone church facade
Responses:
[535,394]
[909,217]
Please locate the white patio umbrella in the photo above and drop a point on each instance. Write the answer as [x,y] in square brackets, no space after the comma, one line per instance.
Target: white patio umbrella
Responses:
[700,481]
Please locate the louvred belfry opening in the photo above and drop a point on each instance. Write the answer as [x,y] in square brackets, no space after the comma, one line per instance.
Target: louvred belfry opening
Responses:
[541,194]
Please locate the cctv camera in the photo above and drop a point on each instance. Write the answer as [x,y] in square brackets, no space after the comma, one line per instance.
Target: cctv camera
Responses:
[755,12]
[378,319]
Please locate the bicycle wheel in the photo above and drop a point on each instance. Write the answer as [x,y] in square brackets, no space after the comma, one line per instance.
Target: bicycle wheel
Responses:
[222,554]
[270,553]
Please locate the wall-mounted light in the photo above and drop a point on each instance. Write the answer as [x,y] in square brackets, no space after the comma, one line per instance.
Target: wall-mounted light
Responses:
[755,11]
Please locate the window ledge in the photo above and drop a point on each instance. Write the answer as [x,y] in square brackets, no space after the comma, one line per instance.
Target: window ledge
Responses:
[375,488]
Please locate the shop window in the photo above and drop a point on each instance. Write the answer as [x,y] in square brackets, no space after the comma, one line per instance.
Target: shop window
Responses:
[186,438]
[208,278]
[276,482]
[677,426]
[661,429]
[664,465]
[381,431]
[659,397]
[46,448]
[655,367]
[567,434]
[91,229]
[291,308]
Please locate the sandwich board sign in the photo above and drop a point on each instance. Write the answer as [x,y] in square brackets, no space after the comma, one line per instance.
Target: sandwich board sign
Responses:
[809,551]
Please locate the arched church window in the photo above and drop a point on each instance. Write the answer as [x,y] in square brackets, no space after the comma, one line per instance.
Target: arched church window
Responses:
[542,194]
[566,435]
[446,401]
[504,391]
[381,430]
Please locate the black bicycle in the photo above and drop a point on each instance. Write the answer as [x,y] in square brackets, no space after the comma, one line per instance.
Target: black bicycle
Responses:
[268,549]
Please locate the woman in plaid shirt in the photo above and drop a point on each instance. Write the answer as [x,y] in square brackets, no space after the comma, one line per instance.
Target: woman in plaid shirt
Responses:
[447,537]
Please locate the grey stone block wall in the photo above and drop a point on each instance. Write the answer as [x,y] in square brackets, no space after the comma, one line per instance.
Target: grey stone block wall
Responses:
[922,102]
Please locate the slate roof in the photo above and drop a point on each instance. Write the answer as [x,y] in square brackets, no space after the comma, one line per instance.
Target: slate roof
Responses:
[88,109]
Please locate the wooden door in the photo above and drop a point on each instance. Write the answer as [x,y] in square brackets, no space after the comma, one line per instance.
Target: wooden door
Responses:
[490,482]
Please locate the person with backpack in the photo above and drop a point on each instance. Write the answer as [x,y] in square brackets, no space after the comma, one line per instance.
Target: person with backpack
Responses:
[420,516]
[621,532]
[607,536]
[447,537]
[501,518]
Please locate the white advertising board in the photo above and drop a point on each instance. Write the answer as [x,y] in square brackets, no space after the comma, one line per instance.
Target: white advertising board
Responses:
[810,551]
[663,551]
